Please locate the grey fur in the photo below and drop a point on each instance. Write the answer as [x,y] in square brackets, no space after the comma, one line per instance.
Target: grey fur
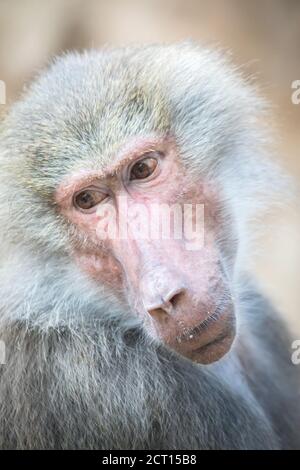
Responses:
[81,372]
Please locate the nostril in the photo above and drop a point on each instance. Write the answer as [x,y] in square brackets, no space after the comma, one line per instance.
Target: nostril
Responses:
[176,299]
[167,306]
[159,315]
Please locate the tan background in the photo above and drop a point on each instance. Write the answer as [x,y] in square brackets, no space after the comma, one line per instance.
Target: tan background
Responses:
[264,35]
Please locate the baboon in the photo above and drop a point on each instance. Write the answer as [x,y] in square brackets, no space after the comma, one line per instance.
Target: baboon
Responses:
[138,342]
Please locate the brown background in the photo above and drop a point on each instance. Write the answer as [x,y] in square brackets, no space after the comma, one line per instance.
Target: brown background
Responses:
[263,35]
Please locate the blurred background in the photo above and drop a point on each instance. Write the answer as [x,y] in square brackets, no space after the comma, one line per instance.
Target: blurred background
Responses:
[263,35]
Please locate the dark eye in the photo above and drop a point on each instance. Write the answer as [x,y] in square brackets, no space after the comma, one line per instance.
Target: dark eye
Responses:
[88,199]
[143,169]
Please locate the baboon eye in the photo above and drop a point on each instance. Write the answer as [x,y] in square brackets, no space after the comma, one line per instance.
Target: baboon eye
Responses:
[143,168]
[88,199]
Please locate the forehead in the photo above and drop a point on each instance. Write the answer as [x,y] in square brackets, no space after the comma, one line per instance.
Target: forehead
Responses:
[87,106]
[84,109]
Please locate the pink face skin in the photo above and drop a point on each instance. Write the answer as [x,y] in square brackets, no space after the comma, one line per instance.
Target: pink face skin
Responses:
[181,295]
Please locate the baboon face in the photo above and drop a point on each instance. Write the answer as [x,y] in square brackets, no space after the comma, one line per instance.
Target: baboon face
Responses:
[150,234]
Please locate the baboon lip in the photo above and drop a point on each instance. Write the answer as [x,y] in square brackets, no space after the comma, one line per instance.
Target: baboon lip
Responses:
[221,314]
[218,343]
[211,339]
[211,343]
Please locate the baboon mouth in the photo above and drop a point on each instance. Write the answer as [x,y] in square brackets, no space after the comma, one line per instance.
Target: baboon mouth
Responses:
[211,339]
[209,349]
